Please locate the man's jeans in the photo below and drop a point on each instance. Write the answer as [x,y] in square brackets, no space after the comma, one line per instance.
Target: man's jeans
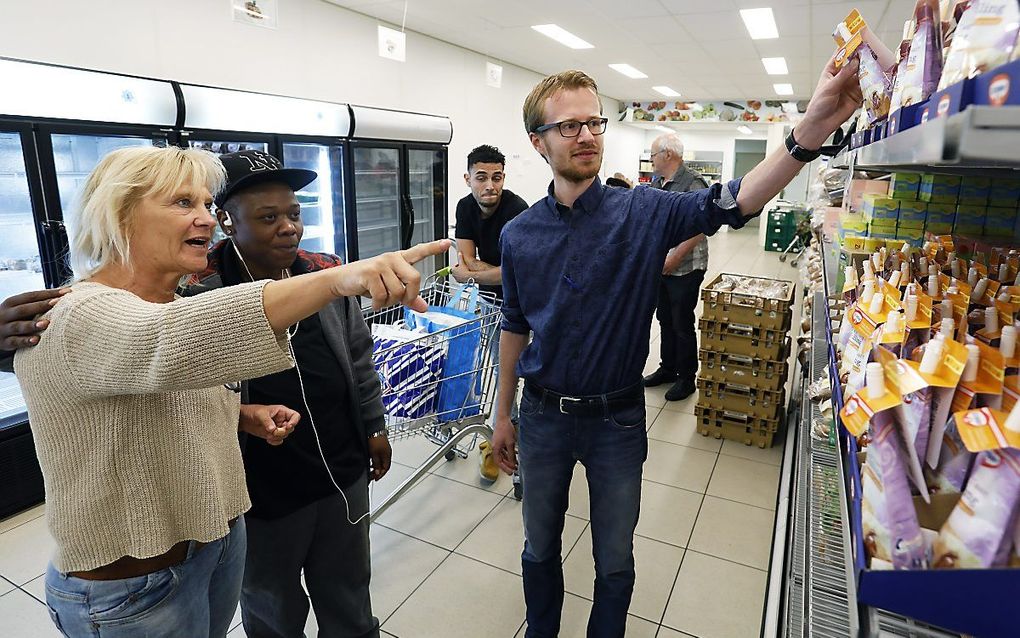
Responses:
[612,448]
[196,598]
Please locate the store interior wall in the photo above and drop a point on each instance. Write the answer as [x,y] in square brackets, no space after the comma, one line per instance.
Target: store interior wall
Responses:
[748,154]
[319,51]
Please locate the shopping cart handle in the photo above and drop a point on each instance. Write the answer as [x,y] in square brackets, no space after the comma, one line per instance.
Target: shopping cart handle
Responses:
[445,272]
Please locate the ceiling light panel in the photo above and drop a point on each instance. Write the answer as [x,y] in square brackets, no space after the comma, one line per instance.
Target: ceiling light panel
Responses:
[760,23]
[775,66]
[746,130]
[783,89]
[561,35]
[628,70]
[665,90]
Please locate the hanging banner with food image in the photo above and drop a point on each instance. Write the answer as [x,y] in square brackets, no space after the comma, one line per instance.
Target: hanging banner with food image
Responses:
[729,111]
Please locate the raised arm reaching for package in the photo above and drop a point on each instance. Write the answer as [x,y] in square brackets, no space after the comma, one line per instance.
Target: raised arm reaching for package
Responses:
[835,99]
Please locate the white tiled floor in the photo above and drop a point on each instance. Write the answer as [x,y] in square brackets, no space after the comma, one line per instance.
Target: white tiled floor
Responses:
[446,557]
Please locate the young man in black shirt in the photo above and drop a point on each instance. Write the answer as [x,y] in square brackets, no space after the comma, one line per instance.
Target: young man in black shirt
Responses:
[481,217]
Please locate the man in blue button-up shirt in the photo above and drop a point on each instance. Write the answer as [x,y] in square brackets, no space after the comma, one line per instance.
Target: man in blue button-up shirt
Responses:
[580,272]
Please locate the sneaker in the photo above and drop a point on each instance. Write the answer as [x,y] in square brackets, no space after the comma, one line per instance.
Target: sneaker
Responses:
[659,377]
[681,390]
[487,467]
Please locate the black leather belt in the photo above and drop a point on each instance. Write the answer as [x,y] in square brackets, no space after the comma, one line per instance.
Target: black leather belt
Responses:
[588,405]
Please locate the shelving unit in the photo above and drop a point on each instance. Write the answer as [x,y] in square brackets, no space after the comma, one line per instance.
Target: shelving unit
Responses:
[812,579]
[980,139]
[710,169]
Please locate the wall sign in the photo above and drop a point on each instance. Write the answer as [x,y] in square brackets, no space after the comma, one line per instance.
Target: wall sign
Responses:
[392,44]
[259,13]
[493,75]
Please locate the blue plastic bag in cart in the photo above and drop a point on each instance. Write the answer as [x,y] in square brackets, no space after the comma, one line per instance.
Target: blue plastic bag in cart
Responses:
[460,390]
[409,373]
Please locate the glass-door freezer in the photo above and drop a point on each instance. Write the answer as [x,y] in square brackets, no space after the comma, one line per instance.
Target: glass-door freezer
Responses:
[74,157]
[322,201]
[426,192]
[377,199]
[20,263]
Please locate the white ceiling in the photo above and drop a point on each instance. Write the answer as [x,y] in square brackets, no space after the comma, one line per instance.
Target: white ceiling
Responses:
[698,47]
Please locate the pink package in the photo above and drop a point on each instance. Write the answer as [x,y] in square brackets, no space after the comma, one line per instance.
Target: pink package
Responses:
[891,529]
[972,537]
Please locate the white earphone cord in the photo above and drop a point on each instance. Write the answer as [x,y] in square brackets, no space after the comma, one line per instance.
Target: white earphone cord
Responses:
[308,410]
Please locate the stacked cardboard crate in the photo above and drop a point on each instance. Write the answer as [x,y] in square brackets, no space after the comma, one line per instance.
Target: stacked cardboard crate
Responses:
[744,354]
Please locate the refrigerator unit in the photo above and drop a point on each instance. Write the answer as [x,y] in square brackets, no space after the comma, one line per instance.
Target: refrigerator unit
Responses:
[381,181]
[398,184]
[56,123]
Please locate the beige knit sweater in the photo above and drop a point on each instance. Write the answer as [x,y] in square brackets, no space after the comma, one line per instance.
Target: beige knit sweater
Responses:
[134,429]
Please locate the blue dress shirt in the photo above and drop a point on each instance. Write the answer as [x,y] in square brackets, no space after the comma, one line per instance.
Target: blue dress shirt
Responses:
[585,279]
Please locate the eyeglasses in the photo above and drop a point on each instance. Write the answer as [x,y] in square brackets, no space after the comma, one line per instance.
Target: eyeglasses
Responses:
[656,153]
[570,128]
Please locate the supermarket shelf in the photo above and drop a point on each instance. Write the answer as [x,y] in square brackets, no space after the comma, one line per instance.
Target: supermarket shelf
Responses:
[868,621]
[831,606]
[981,138]
[392,225]
[781,557]
[375,200]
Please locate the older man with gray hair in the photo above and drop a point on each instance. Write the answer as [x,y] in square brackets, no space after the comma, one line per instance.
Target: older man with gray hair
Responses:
[682,275]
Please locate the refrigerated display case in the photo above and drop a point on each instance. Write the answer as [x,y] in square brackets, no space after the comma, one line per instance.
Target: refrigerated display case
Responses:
[397,189]
[20,261]
[377,199]
[74,157]
[427,194]
[322,210]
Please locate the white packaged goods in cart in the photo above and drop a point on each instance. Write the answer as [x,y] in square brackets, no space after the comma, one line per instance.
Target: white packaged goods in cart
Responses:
[437,370]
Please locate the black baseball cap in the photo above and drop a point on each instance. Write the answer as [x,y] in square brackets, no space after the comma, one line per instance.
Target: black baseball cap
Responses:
[247,168]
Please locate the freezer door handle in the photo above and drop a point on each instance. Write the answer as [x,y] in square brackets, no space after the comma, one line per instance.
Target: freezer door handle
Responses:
[407,223]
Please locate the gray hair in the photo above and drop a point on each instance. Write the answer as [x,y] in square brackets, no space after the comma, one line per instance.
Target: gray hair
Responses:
[670,142]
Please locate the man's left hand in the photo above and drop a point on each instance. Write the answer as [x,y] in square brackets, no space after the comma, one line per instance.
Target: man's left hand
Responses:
[670,265]
[460,270]
[273,423]
[835,99]
[380,453]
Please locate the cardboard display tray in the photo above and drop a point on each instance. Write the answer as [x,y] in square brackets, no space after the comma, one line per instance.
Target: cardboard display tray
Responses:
[767,374]
[736,397]
[743,307]
[742,338]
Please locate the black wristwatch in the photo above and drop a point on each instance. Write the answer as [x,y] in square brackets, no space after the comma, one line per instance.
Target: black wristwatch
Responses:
[800,153]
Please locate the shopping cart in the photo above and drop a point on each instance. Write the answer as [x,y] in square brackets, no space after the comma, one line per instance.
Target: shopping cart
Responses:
[800,241]
[445,425]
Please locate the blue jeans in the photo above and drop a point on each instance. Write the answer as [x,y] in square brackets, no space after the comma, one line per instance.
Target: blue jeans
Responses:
[196,598]
[612,448]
